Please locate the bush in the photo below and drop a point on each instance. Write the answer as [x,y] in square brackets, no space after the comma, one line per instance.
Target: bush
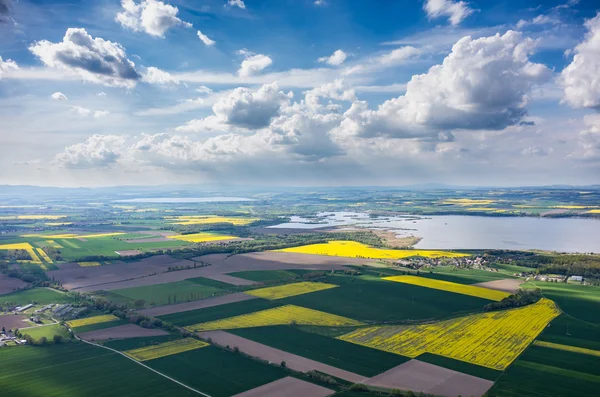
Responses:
[359,387]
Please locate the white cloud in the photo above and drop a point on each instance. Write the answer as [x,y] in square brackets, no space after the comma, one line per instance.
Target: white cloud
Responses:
[537,151]
[581,78]
[456,11]
[320,2]
[398,55]
[97,151]
[589,140]
[27,162]
[157,76]
[59,96]
[7,65]
[204,38]
[481,84]
[102,94]
[98,114]
[91,59]
[151,16]
[337,58]
[204,90]
[236,3]
[253,63]
[81,111]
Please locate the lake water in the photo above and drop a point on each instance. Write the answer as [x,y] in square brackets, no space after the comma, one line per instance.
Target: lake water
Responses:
[474,232]
[183,200]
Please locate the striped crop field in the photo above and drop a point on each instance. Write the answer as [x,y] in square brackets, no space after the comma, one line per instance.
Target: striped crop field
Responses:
[208,219]
[92,320]
[283,315]
[89,264]
[471,290]
[574,349]
[493,339]
[44,256]
[353,249]
[202,237]
[25,247]
[287,290]
[53,244]
[165,349]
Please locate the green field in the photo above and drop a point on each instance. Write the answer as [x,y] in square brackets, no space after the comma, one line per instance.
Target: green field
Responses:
[135,343]
[215,283]
[270,275]
[218,312]
[74,249]
[580,301]
[45,330]
[464,276]
[217,372]
[95,327]
[76,369]
[337,353]
[374,300]
[42,296]
[567,330]
[460,366]
[168,293]
[543,372]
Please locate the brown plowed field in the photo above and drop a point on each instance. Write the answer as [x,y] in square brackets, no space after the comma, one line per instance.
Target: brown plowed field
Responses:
[10,284]
[287,387]
[12,321]
[121,332]
[506,284]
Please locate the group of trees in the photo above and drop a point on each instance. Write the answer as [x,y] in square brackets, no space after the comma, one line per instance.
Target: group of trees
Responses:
[520,298]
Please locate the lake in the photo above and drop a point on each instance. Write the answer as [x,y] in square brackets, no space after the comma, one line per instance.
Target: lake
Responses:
[473,232]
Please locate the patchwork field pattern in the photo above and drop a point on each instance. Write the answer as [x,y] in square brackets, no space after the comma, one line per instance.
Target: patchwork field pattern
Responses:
[282,315]
[201,237]
[43,254]
[470,290]
[492,340]
[25,247]
[30,217]
[353,249]
[165,349]
[567,348]
[287,290]
[207,219]
[92,320]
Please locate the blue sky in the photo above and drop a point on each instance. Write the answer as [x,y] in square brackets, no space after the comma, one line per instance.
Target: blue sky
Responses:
[299,92]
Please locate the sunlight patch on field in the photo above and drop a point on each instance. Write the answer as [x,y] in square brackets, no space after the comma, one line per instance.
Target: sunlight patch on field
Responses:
[353,249]
[58,223]
[92,320]
[89,264]
[287,290]
[165,349]
[471,290]
[493,339]
[201,237]
[283,315]
[206,219]
[567,348]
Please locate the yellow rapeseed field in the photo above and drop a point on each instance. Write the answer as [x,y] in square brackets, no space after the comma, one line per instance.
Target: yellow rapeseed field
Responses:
[105,318]
[482,209]
[165,349]
[493,339]
[567,348]
[574,207]
[89,264]
[284,291]
[25,247]
[43,254]
[470,290]
[202,237]
[282,315]
[206,219]
[53,244]
[353,249]
[31,217]
[593,212]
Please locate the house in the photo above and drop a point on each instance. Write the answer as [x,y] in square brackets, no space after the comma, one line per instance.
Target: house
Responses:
[576,278]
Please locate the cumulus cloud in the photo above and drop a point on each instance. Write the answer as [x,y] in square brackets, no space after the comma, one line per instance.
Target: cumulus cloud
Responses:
[101,94]
[337,58]
[481,84]
[150,16]
[81,111]
[456,11]
[98,114]
[92,59]
[59,96]
[204,38]
[537,151]
[320,2]
[236,3]
[253,63]
[97,151]
[581,78]
[7,65]
[157,76]
[589,140]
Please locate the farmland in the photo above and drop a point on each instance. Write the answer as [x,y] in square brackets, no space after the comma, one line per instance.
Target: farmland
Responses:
[353,249]
[92,320]
[202,237]
[162,294]
[165,349]
[39,295]
[285,291]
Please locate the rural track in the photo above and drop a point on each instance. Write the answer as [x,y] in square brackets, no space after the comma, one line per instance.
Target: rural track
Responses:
[143,365]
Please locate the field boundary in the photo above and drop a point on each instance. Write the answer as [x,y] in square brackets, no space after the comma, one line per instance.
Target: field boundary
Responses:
[145,366]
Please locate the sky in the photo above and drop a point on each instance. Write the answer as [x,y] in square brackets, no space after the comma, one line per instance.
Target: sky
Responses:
[299,92]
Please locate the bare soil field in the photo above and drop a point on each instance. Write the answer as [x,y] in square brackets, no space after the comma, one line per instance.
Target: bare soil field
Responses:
[201,304]
[506,284]
[12,321]
[287,387]
[267,353]
[423,377]
[134,274]
[121,332]
[70,265]
[129,252]
[10,284]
